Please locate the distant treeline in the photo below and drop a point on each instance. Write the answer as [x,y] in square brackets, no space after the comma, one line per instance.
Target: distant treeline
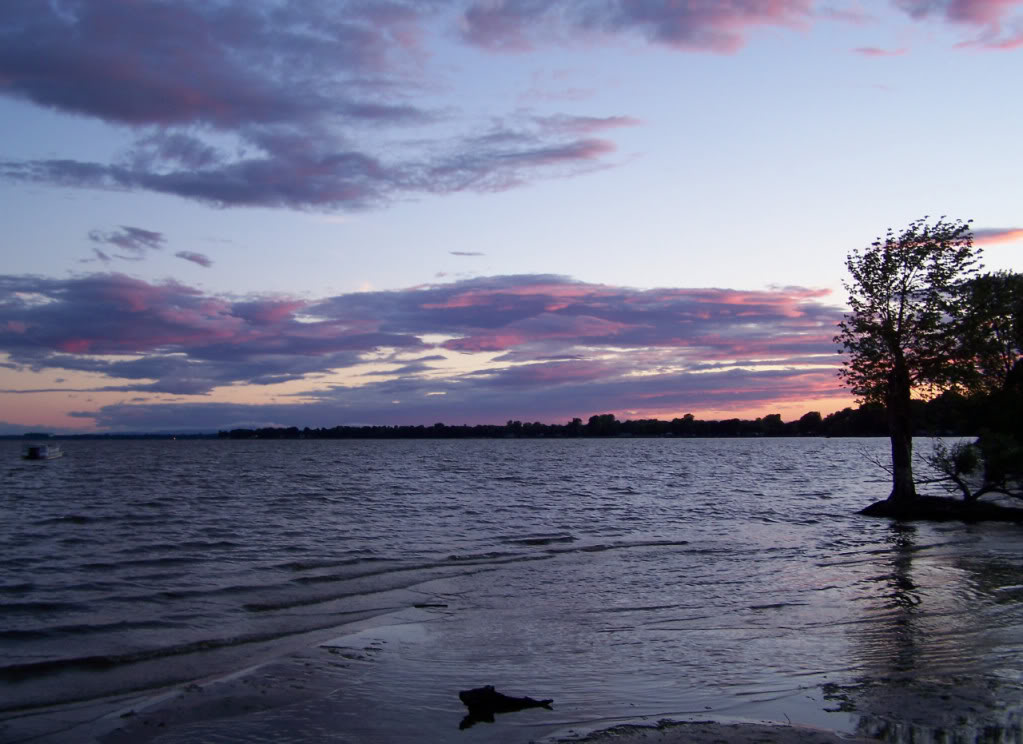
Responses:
[948,415]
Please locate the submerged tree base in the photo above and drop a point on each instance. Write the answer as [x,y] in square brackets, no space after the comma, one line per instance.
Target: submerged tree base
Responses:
[942,509]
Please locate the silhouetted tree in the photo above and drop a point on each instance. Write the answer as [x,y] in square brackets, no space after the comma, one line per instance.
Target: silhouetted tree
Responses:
[906,297]
[993,329]
[992,338]
[772,425]
[603,425]
[810,423]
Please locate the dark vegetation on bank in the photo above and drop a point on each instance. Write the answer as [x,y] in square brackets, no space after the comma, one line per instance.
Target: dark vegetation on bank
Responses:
[948,415]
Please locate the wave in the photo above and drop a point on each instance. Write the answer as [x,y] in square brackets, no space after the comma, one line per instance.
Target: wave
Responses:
[63,631]
[22,587]
[40,607]
[69,519]
[142,563]
[424,571]
[540,539]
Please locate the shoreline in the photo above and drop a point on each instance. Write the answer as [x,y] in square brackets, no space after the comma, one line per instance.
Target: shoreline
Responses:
[356,688]
[329,691]
[283,701]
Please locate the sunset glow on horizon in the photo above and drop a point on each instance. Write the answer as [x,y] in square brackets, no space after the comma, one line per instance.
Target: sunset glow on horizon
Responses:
[335,213]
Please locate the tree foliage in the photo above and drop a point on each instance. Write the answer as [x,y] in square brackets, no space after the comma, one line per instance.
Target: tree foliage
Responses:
[992,342]
[993,330]
[906,297]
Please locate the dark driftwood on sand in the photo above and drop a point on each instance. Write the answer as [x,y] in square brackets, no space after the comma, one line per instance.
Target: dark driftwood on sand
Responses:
[484,702]
[940,509]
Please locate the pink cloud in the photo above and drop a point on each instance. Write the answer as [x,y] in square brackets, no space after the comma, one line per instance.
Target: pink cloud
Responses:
[75,345]
[961,11]
[520,25]
[588,149]
[487,342]
[990,16]
[525,392]
[1005,44]
[517,25]
[585,124]
[568,346]
[218,122]
[980,11]
[993,235]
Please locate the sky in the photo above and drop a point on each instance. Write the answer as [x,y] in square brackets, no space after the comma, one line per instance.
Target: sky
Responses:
[241,213]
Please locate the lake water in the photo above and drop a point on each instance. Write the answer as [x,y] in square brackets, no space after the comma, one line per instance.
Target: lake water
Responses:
[627,579]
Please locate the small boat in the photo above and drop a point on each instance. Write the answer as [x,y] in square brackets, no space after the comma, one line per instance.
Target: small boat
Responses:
[42,452]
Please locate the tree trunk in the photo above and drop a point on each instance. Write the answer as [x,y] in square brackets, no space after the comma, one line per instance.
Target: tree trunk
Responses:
[900,427]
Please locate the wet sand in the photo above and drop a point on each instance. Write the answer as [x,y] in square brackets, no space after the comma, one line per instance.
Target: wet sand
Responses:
[286,702]
[353,690]
[395,678]
[263,709]
[713,732]
[358,688]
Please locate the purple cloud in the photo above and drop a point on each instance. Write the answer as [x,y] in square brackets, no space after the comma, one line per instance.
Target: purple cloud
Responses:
[300,105]
[878,52]
[584,124]
[564,347]
[505,313]
[999,27]
[196,258]
[136,241]
[303,90]
[515,25]
[187,342]
[100,256]
[298,172]
[197,63]
[960,11]
[518,25]
[410,368]
[486,400]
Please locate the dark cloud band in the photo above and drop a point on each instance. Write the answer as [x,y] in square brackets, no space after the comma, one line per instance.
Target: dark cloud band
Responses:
[529,339]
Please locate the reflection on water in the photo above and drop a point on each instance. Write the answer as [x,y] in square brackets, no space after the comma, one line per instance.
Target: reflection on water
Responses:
[924,676]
